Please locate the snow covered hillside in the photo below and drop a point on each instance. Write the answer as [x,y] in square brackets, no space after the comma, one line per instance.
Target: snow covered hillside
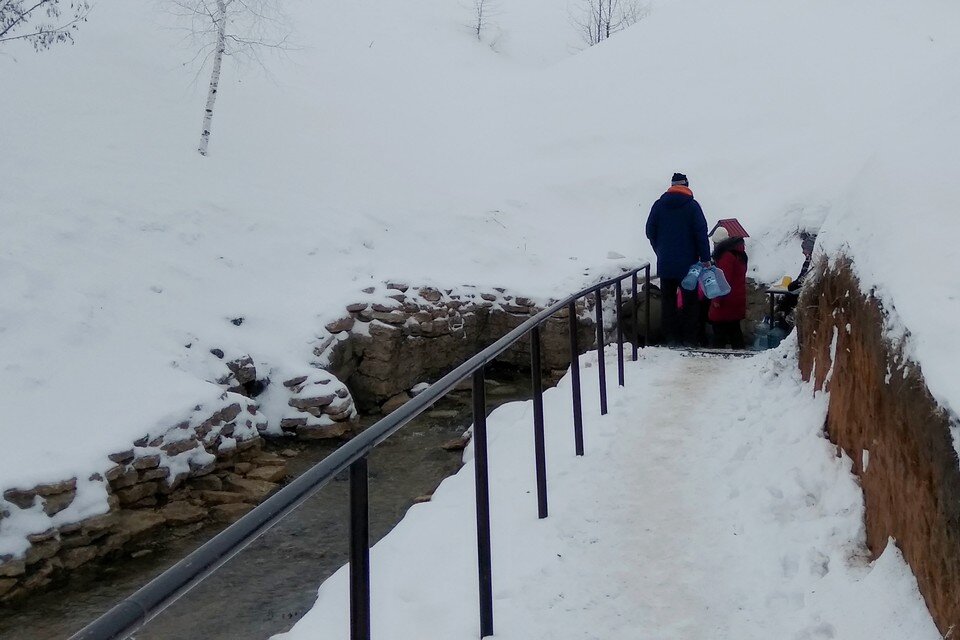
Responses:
[390,144]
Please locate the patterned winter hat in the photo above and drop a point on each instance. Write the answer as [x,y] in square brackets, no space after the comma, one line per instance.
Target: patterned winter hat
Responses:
[679,179]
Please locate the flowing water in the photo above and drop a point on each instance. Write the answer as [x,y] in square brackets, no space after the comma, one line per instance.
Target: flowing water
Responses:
[266,588]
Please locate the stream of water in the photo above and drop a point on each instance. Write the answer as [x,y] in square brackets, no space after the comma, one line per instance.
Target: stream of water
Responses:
[266,588]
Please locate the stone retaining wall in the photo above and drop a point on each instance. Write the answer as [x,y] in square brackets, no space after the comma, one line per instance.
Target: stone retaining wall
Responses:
[883,416]
[208,468]
[405,336]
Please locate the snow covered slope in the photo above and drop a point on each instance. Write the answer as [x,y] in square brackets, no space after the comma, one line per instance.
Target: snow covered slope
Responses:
[390,144]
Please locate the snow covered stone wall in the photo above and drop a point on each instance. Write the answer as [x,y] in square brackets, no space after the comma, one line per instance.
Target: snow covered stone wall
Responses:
[396,337]
[209,468]
[899,438]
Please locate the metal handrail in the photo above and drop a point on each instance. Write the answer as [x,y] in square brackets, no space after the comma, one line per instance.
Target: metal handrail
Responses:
[139,608]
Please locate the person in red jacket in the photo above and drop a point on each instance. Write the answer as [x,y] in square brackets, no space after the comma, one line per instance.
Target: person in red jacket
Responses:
[726,312]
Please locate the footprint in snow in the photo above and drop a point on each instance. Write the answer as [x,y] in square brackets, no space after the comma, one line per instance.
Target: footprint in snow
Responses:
[790,566]
[819,563]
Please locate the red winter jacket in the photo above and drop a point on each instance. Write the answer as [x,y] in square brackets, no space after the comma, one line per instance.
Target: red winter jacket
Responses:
[731,258]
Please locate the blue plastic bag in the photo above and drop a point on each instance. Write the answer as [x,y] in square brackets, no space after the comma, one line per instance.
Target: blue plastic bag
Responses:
[714,283]
[690,280]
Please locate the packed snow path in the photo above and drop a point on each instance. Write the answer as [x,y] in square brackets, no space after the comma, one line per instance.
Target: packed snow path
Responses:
[708,506]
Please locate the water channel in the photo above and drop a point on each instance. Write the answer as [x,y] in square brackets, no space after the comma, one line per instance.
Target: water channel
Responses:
[266,588]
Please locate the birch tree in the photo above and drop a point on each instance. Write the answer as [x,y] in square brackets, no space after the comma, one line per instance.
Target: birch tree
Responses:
[600,19]
[42,23]
[221,48]
[483,11]
[241,29]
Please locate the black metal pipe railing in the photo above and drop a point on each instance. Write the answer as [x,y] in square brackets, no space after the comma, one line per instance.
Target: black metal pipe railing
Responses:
[539,444]
[136,610]
[618,288]
[601,360]
[482,490]
[575,379]
[646,306]
[636,317]
[359,551]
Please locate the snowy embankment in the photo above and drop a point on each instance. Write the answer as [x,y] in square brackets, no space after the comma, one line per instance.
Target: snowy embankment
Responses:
[708,505]
[899,225]
[400,148]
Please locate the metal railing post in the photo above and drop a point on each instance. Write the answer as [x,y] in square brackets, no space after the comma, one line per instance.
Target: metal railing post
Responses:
[619,295]
[483,503]
[538,438]
[575,379]
[634,301]
[359,552]
[646,302]
[601,365]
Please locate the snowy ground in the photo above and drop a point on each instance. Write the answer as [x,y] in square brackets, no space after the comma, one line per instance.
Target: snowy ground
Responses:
[708,505]
[390,144]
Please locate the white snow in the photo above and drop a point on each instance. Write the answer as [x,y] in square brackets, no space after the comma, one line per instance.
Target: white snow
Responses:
[390,145]
[708,505]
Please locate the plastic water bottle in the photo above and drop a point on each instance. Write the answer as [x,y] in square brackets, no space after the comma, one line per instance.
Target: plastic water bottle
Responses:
[725,287]
[711,288]
[761,332]
[767,337]
[690,280]
[775,337]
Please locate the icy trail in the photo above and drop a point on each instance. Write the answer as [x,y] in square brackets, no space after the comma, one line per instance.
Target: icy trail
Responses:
[708,506]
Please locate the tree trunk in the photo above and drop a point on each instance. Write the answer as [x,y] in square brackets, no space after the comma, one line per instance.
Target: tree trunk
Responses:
[599,33]
[609,18]
[214,76]
[479,8]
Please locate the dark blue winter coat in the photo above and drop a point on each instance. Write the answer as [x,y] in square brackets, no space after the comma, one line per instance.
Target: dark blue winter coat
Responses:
[677,230]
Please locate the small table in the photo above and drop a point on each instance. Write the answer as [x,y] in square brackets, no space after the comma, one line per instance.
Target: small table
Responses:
[773,292]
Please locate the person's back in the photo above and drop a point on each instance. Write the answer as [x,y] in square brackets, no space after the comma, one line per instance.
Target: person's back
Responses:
[788,302]
[677,230]
[726,312]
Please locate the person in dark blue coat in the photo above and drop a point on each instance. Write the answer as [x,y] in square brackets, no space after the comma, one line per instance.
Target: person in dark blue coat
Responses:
[677,229]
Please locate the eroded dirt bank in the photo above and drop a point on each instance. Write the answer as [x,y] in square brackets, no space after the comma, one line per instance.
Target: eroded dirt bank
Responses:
[882,414]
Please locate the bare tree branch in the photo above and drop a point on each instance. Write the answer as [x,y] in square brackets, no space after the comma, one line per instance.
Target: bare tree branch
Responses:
[42,19]
[601,19]
[482,14]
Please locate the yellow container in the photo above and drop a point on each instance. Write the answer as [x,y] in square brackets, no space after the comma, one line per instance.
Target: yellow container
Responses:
[786,281]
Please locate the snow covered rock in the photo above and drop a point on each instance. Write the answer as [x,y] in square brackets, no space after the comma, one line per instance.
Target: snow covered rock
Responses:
[318,407]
